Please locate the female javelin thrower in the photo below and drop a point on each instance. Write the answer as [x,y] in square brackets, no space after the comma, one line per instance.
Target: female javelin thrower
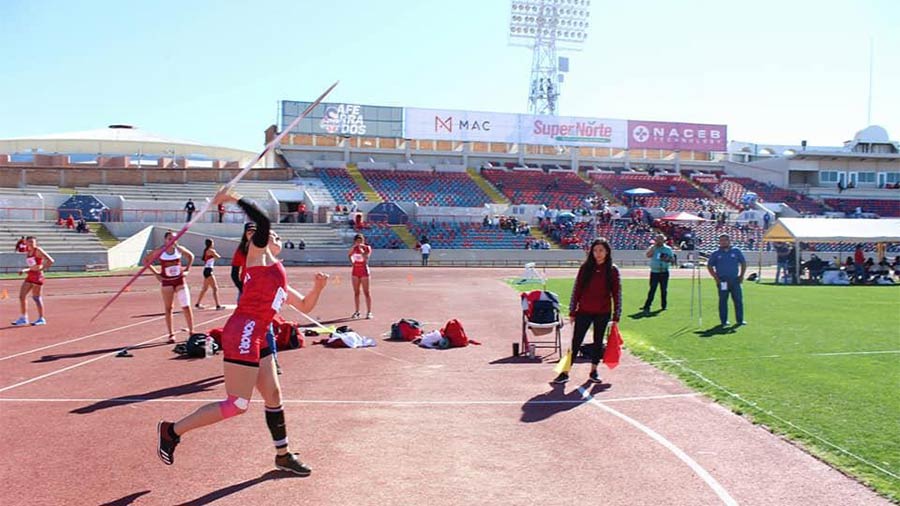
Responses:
[38,261]
[248,359]
[171,274]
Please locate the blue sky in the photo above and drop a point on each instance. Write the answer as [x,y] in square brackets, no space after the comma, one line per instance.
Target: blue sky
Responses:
[214,71]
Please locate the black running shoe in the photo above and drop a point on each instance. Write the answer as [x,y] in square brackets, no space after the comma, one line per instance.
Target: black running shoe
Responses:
[562,378]
[595,377]
[166,447]
[289,462]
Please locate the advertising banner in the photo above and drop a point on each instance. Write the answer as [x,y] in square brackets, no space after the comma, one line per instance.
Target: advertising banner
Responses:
[570,131]
[344,119]
[677,136]
[441,124]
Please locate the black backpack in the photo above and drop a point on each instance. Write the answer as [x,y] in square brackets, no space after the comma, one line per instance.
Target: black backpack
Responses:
[195,346]
[542,311]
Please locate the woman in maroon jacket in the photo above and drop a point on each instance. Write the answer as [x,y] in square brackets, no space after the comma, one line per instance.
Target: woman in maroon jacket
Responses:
[596,299]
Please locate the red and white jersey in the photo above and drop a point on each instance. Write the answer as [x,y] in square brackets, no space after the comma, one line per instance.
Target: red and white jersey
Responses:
[265,290]
[359,261]
[357,256]
[31,259]
[171,264]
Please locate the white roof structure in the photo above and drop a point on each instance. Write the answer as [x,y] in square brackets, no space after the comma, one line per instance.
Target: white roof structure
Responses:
[117,140]
[833,230]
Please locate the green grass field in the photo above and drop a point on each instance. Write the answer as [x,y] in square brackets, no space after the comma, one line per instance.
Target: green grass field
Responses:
[817,364]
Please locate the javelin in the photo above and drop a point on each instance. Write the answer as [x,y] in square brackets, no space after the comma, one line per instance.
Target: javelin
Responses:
[270,146]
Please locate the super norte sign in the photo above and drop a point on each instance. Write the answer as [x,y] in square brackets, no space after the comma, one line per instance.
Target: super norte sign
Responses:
[677,136]
[572,131]
[450,125]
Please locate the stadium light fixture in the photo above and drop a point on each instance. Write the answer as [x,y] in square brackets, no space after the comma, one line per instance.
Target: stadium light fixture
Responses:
[566,22]
[547,27]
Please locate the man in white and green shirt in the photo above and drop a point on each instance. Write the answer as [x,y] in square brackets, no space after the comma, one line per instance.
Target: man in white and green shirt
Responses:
[661,256]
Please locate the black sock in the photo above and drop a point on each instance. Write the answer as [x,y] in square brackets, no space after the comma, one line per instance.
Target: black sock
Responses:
[275,421]
[172,433]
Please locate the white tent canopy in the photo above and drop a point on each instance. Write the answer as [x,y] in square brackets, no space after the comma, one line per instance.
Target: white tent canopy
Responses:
[809,230]
[833,230]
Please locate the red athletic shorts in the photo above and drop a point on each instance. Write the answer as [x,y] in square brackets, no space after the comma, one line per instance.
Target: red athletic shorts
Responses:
[174,282]
[35,277]
[244,339]
[360,271]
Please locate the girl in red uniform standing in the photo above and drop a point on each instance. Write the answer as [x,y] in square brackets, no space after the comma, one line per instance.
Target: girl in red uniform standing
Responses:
[596,299]
[171,275]
[359,257]
[38,261]
[209,280]
[248,359]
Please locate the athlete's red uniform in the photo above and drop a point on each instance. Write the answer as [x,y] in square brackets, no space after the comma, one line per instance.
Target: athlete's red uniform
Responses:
[244,335]
[360,264]
[172,273]
[34,277]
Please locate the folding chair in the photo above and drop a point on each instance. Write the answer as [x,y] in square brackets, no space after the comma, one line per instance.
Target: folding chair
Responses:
[540,316]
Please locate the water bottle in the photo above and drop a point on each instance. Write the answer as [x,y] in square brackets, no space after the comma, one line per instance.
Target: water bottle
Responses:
[210,351]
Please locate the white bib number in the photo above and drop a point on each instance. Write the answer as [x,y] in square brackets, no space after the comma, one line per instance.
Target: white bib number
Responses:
[280,297]
[30,261]
[357,258]
[173,271]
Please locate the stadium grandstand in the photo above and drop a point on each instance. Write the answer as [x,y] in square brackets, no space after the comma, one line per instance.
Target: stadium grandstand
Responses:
[459,189]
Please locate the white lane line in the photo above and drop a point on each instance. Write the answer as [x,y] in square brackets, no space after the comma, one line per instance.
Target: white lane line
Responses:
[79,364]
[515,402]
[761,357]
[854,353]
[782,420]
[684,457]
[80,338]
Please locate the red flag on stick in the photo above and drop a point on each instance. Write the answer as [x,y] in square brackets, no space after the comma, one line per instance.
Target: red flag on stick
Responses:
[613,347]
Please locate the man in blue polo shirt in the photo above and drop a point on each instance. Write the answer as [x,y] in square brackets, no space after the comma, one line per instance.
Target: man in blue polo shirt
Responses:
[660,257]
[727,266]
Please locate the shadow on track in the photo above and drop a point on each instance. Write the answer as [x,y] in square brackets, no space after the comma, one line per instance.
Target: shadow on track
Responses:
[556,400]
[203,385]
[60,356]
[237,487]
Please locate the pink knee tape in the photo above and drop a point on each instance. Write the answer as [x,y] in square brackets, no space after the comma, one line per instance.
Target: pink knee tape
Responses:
[233,406]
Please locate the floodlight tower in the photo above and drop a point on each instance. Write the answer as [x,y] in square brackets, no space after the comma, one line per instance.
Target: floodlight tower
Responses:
[548,27]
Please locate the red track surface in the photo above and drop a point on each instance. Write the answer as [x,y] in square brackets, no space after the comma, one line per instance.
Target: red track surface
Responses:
[396,424]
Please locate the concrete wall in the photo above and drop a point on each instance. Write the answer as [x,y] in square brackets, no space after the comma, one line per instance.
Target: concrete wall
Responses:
[337,259]
[26,208]
[497,258]
[77,176]
[12,262]
[129,252]
[225,235]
